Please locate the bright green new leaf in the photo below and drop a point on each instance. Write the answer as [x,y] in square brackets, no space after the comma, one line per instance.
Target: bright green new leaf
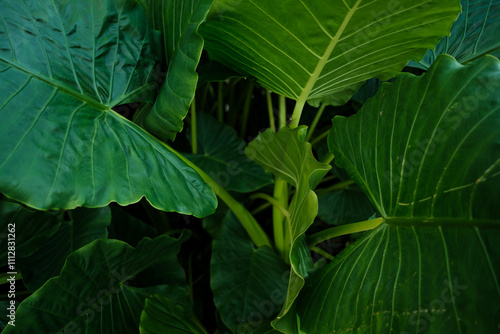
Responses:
[426,150]
[322,51]
[178,22]
[289,157]
[63,67]
[249,284]
[473,35]
[84,226]
[222,156]
[95,292]
[165,315]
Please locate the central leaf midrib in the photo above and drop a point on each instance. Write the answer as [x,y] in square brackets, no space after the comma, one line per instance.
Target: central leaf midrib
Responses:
[441,221]
[323,60]
[59,86]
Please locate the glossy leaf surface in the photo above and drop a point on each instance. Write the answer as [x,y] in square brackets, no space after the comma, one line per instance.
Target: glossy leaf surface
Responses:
[323,51]
[64,66]
[426,150]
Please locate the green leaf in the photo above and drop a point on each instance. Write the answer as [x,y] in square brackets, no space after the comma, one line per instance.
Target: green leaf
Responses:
[222,156]
[426,150]
[473,35]
[85,225]
[95,291]
[164,315]
[249,284]
[61,144]
[323,51]
[178,22]
[30,229]
[289,157]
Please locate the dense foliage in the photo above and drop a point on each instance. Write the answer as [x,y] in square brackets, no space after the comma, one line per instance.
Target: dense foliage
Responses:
[250,166]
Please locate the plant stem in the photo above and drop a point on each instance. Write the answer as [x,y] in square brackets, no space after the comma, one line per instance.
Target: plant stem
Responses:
[320,137]
[254,230]
[194,135]
[220,102]
[327,158]
[270,111]
[338,231]
[282,116]
[246,109]
[336,186]
[273,202]
[315,121]
[297,112]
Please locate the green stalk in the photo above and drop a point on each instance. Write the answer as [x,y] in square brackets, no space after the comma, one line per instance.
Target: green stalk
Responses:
[336,186]
[320,137]
[315,122]
[246,109]
[220,102]
[282,106]
[270,111]
[194,139]
[322,253]
[338,231]
[254,230]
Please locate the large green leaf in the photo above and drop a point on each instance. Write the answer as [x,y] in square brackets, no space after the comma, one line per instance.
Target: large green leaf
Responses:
[426,150]
[222,156]
[178,22]
[249,284]
[84,226]
[289,157]
[473,35]
[323,51]
[63,67]
[95,292]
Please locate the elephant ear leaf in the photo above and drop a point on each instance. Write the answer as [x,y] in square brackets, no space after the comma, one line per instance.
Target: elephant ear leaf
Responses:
[61,143]
[323,51]
[426,151]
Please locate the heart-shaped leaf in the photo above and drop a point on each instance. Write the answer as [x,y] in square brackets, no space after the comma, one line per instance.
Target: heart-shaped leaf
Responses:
[61,144]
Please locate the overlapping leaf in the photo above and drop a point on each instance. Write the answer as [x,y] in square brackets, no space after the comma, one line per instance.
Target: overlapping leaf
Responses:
[288,156]
[178,22]
[473,35]
[222,157]
[247,283]
[63,66]
[95,291]
[323,51]
[426,150]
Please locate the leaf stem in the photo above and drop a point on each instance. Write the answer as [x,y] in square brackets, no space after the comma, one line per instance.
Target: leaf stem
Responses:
[319,113]
[246,109]
[322,253]
[282,111]
[336,186]
[270,111]
[338,231]
[254,230]
[194,135]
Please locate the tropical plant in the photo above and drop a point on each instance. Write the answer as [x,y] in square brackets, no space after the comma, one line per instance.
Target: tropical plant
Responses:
[354,147]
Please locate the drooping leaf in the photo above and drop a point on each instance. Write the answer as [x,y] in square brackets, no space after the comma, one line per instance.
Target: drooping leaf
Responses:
[178,22]
[95,291]
[85,225]
[63,67]
[222,156]
[426,150]
[30,229]
[249,284]
[473,35]
[289,157]
[323,51]
[165,315]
